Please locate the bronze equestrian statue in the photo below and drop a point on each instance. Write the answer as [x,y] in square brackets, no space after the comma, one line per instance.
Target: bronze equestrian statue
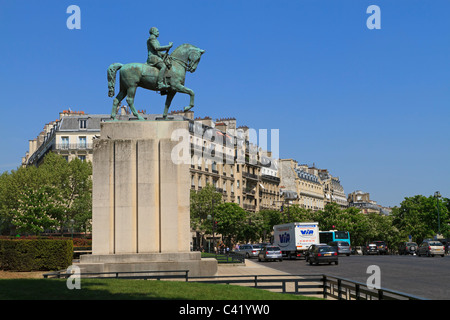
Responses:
[155,75]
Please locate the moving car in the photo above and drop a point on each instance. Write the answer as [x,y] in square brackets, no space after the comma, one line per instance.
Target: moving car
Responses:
[342,247]
[430,248]
[249,250]
[270,253]
[381,246]
[370,248]
[407,248]
[321,254]
[311,248]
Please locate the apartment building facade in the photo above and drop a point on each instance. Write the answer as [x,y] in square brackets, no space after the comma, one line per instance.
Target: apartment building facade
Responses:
[220,154]
[361,200]
[70,136]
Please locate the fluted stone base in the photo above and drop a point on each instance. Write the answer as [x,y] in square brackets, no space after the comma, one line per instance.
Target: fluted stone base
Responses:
[141,201]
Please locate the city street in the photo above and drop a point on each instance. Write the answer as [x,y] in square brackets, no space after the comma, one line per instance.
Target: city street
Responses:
[425,277]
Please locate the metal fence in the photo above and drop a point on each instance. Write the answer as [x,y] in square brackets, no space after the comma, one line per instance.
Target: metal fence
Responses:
[319,285]
[230,257]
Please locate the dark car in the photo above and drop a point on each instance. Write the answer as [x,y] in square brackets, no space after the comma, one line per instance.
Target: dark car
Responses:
[311,248]
[370,248]
[323,254]
[342,247]
[407,248]
[381,246]
[446,244]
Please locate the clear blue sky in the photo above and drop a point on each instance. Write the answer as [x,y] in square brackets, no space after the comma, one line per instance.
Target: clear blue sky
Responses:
[372,106]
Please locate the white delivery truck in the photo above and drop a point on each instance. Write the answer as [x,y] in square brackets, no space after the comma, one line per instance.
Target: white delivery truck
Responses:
[296,237]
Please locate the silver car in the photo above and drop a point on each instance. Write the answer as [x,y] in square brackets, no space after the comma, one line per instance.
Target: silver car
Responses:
[431,248]
[270,253]
[249,250]
[342,247]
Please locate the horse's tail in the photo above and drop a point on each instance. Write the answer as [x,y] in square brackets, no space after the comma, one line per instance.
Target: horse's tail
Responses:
[112,70]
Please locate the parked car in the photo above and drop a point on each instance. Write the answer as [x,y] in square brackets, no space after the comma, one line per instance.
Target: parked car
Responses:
[270,253]
[249,250]
[381,246]
[311,248]
[407,248]
[342,247]
[431,248]
[446,244]
[320,254]
[370,248]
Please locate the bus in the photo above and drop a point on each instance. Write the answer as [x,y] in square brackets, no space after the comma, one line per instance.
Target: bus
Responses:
[334,235]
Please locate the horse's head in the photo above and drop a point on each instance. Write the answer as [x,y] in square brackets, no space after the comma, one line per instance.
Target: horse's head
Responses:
[194,58]
[189,54]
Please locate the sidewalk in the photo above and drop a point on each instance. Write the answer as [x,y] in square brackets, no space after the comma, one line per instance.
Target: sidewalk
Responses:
[250,268]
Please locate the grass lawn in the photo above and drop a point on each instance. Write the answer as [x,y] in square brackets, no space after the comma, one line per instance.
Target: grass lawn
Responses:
[125,289]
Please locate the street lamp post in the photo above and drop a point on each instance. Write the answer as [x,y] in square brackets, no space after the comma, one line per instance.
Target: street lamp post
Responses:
[71,226]
[211,217]
[437,195]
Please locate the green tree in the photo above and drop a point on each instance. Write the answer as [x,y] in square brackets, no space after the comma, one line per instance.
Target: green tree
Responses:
[330,218]
[48,197]
[201,206]
[418,216]
[232,221]
[269,218]
[295,213]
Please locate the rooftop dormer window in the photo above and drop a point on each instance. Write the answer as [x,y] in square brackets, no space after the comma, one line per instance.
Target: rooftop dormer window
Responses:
[82,123]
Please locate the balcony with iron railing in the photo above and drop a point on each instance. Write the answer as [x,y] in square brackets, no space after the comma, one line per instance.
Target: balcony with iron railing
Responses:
[270,178]
[249,175]
[73,146]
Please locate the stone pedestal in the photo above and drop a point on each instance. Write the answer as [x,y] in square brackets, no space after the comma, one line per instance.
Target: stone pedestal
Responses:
[140,214]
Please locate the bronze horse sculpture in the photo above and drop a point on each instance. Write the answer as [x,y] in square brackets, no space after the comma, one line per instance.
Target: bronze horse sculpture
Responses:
[133,75]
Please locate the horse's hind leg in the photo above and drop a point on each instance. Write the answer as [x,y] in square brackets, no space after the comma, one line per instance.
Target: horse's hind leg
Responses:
[130,100]
[116,102]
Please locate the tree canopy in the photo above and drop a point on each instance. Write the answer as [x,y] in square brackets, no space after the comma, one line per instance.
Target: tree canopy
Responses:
[57,196]
[54,196]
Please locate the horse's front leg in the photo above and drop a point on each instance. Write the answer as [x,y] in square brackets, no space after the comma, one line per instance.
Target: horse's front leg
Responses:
[180,88]
[169,97]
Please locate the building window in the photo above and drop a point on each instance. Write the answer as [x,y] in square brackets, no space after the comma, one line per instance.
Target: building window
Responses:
[83,124]
[65,143]
[82,142]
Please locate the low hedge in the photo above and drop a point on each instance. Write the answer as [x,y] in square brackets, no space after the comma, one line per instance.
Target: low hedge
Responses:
[35,254]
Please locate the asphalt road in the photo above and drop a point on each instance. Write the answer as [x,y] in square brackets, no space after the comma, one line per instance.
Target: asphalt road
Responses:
[426,277]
